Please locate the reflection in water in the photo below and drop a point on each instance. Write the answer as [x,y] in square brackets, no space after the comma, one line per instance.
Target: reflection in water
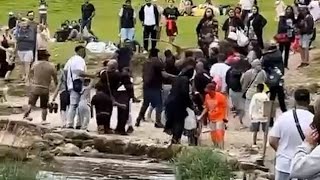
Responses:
[78,168]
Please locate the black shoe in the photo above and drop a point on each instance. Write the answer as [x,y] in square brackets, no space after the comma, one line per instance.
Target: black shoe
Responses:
[69,127]
[121,133]
[158,125]
[78,127]
[130,130]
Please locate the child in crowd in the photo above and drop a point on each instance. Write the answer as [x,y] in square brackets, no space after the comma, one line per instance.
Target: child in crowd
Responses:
[84,107]
[103,107]
[256,112]
[62,90]
[216,108]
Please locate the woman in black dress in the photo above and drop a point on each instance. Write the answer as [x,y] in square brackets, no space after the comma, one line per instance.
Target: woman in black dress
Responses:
[255,25]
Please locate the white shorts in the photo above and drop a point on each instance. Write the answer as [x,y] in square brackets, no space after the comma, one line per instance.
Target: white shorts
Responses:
[305,40]
[25,56]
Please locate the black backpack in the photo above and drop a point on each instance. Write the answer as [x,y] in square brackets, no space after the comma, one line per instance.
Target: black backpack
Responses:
[274,77]
[234,80]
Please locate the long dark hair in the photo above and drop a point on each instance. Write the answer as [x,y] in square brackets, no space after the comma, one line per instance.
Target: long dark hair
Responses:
[291,15]
[205,14]
[316,123]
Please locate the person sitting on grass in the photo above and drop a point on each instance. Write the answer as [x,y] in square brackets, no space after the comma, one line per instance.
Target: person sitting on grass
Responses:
[256,114]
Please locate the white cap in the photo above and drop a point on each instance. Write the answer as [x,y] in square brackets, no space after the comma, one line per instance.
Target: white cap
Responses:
[11,13]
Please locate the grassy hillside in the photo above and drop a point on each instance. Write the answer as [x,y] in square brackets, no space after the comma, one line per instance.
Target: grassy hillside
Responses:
[105,24]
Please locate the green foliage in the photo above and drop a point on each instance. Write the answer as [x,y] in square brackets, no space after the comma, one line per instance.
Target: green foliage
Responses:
[201,164]
[17,170]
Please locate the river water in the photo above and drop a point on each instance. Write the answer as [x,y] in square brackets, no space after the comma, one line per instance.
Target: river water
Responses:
[117,167]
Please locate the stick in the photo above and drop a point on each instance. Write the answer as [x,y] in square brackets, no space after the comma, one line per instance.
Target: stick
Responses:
[267,131]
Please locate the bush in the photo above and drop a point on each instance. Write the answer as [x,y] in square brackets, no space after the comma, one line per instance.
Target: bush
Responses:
[201,164]
[17,170]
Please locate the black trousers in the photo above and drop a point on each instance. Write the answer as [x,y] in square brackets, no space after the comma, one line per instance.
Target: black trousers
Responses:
[314,36]
[147,32]
[286,48]
[278,91]
[122,97]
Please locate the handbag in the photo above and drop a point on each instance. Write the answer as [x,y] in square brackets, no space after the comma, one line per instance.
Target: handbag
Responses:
[281,38]
[76,83]
[296,120]
[242,39]
[245,92]
[190,122]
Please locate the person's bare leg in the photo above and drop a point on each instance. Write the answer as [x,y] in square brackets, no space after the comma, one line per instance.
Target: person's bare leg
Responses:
[302,54]
[27,70]
[7,76]
[306,55]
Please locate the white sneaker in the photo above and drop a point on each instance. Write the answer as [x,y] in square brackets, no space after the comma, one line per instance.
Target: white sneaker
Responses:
[145,52]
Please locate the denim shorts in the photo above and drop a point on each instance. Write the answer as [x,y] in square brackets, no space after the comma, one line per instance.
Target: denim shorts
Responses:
[127,33]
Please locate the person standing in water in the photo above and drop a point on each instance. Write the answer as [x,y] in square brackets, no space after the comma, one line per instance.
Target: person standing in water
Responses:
[171,14]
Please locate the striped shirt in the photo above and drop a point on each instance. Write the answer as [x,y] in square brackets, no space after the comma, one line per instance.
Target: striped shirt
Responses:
[43,9]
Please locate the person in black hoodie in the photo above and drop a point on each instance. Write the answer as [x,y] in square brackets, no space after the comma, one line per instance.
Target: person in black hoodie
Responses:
[256,23]
[149,16]
[233,78]
[286,26]
[232,23]
[272,63]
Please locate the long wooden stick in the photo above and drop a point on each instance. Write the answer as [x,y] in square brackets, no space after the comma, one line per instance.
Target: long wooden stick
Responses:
[265,139]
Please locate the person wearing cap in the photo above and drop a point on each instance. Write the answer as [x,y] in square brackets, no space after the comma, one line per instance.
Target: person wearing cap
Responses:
[250,80]
[41,74]
[289,132]
[12,21]
[127,21]
[149,16]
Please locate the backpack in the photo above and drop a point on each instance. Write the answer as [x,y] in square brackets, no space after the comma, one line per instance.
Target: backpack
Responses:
[234,80]
[274,77]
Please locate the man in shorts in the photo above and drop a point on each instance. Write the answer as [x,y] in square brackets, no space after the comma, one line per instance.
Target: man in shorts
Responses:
[41,74]
[25,45]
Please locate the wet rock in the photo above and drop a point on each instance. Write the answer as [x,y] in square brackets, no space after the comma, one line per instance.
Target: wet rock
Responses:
[161,152]
[54,138]
[114,146]
[87,149]
[238,175]
[74,134]
[13,153]
[46,156]
[89,142]
[233,162]
[40,146]
[67,150]
[247,166]
[136,149]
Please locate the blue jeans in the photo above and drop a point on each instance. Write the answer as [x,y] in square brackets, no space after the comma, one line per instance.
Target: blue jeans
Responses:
[86,23]
[74,103]
[127,33]
[151,97]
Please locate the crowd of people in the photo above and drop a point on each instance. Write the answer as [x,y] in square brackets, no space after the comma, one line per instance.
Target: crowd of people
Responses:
[238,73]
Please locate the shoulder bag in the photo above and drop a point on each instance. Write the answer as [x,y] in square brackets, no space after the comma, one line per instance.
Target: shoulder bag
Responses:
[250,84]
[296,120]
[76,83]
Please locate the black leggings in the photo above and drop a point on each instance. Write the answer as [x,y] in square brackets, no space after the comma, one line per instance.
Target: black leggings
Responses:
[286,48]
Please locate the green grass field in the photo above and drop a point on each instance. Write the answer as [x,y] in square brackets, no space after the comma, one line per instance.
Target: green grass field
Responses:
[105,24]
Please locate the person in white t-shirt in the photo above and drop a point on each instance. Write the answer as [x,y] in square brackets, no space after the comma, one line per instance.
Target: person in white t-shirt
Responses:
[75,69]
[285,136]
[256,114]
[220,70]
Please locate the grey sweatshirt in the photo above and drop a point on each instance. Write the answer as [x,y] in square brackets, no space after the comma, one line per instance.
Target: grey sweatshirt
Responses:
[26,39]
[305,164]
